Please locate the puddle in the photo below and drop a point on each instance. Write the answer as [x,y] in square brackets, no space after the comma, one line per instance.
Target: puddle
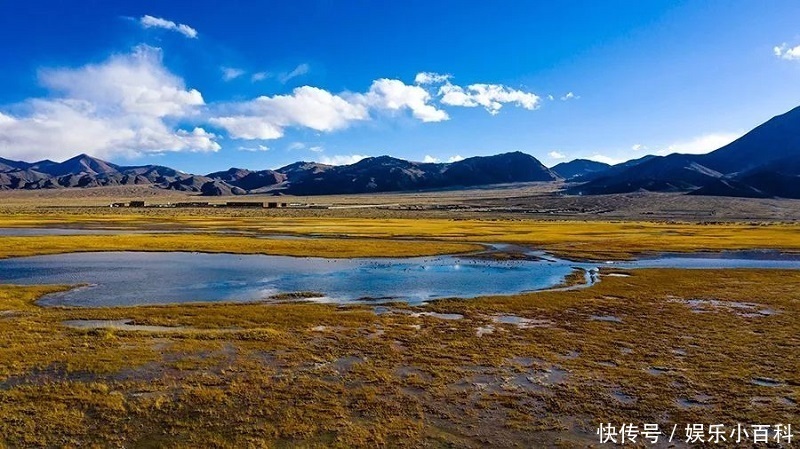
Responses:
[523,323]
[607,318]
[766,382]
[658,370]
[345,364]
[525,382]
[622,397]
[550,376]
[743,309]
[441,316]
[480,331]
[695,402]
[124,325]
[381,310]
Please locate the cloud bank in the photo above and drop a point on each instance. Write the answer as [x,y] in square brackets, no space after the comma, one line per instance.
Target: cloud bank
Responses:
[129,104]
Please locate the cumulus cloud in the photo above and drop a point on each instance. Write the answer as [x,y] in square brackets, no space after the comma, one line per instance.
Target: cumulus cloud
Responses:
[455,158]
[128,104]
[300,70]
[556,155]
[639,147]
[394,95]
[569,96]
[231,73]
[428,159]
[701,144]
[491,97]
[309,107]
[314,108]
[431,78]
[157,22]
[784,51]
[345,159]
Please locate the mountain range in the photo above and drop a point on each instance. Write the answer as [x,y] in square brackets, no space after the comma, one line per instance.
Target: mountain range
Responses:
[374,174]
[763,163]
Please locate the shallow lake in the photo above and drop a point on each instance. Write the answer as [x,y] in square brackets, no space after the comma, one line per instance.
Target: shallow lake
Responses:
[136,278]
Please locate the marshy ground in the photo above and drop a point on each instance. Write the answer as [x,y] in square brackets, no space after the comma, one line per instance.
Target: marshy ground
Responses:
[539,369]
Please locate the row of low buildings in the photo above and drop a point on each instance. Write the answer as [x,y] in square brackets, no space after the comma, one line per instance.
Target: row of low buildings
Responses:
[231,204]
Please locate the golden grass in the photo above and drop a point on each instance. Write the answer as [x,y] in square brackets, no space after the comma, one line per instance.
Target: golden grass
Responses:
[310,375]
[577,239]
[211,243]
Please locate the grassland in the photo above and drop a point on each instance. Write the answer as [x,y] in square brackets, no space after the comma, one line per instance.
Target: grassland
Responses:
[570,238]
[215,243]
[531,370]
[277,375]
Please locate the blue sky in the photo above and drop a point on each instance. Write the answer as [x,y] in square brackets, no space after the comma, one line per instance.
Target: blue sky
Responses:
[201,86]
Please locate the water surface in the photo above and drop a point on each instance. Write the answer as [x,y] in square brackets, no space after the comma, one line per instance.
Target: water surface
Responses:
[140,278]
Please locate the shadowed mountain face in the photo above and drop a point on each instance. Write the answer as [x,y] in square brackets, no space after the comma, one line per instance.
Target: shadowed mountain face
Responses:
[377,174]
[578,169]
[763,163]
[82,171]
[388,174]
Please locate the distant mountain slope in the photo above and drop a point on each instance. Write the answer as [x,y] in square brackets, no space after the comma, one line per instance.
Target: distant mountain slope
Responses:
[9,165]
[82,171]
[388,174]
[248,180]
[578,168]
[778,138]
[780,178]
[676,172]
[762,163]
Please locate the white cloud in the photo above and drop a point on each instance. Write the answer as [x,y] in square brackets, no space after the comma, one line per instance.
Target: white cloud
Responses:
[316,149]
[783,51]
[431,78]
[341,159]
[260,76]
[455,158]
[248,127]
[125,105]
[157,22]
[395,95]
[308,107]
[231,73]
[701,144]
[551,98]
[604,159]
[556,155]
[491,96]
[254,149]
[296,146]
[639,147]
[569,96]
[301,69]
[311,107]
[430,159]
